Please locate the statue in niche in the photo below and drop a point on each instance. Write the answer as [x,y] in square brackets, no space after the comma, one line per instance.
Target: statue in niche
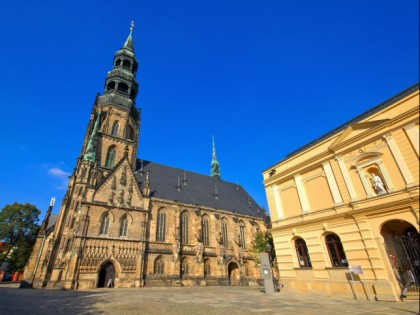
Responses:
[219,238]
[176,248]
[114,182]
[111,198]
[220,254]
[123,179]
[121,196]
[378,184]
[130,193]
[199,253]
[129,198]
[241,256]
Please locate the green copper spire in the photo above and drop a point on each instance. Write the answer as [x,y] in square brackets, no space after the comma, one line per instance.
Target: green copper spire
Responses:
[215,168]
[90,154]
[129,42]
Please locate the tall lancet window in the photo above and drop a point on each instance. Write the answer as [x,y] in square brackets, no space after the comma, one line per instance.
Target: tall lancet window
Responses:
[205,231]
[110,157]
[124,226]
[115,127]
[161,226]
[242,234]
[184,227]
[104,225]
[224,228]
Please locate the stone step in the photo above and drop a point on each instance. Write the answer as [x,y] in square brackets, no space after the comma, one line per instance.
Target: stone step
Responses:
[413,296]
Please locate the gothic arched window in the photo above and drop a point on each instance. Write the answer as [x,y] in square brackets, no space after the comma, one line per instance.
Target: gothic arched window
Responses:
[184,227]
[104,225]
[130,133]
[110,157]
[224,227]
[124,226]
[161,226]
[242,234]
[205,231]
[115,128]
[184,266]
[336,251]
[158,267]
[302,253]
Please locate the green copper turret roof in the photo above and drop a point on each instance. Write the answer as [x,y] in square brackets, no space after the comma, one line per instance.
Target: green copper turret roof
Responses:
[129,42]
[215,168]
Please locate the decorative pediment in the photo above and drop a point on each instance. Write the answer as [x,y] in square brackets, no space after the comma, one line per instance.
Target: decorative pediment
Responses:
[355,130]
[120,189]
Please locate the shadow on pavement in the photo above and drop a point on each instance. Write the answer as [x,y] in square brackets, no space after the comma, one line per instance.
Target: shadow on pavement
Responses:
[45,301]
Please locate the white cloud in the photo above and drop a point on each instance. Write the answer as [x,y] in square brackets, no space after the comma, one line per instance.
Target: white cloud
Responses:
[57,172]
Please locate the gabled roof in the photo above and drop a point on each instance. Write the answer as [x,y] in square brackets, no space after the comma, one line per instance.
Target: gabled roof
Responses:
[357,119]
[356,129]
[187,187]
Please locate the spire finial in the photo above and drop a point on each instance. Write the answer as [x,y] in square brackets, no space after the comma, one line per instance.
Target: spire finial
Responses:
[215,168]
[131,27]
[129,42]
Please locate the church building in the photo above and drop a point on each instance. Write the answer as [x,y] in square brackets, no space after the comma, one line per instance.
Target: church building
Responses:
[130,222]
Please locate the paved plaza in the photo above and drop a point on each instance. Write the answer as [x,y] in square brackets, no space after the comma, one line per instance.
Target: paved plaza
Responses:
[186,300]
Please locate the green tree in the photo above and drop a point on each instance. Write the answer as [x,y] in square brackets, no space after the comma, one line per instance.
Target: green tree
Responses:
[18,229]
[259,245]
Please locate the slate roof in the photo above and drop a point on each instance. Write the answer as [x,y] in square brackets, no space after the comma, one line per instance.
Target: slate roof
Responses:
[196,189]
[51,223]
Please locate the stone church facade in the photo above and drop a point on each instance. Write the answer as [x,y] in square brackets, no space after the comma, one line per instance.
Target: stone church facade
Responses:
[127,222]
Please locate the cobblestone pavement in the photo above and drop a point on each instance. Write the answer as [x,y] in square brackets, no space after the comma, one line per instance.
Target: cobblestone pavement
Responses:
[186,300]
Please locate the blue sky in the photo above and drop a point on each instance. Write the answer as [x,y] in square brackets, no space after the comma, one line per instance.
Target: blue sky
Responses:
[263,77]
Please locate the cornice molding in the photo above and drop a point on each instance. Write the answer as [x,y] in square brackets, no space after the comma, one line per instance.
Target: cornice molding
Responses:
[357,210]
[347,144]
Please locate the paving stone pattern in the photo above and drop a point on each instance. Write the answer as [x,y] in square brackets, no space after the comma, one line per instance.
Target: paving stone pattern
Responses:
[186,300]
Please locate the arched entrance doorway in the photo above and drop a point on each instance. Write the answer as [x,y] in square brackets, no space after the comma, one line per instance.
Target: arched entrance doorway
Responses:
[234,274]
[106,276]
[402,248]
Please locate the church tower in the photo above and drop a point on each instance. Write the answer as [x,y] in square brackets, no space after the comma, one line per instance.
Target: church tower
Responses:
[111,140]
[115,121]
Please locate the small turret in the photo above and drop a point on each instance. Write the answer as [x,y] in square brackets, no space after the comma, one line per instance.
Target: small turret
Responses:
[215,168]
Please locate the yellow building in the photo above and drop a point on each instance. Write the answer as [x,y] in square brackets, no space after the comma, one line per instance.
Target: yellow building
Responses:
[351,199]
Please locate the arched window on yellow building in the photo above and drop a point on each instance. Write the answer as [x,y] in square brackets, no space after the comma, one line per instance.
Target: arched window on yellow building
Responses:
[336,251]
[302,253]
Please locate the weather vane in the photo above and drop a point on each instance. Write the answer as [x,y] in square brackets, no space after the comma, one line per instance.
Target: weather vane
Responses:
[131,27]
